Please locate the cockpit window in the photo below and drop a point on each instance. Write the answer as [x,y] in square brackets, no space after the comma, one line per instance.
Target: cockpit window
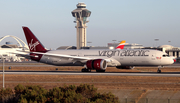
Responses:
[165,55]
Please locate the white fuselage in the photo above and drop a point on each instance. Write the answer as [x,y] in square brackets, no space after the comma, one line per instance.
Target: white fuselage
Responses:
[125,57]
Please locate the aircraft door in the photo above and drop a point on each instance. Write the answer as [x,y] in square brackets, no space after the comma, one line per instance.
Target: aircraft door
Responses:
[156,59]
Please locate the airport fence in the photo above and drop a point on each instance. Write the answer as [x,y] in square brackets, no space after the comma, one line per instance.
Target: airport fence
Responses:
[148,100]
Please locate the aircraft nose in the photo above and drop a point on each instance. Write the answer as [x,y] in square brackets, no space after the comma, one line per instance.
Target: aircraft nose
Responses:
[172,61]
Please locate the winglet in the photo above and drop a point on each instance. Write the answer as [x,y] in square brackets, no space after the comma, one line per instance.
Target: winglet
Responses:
[121,45]
[33,43]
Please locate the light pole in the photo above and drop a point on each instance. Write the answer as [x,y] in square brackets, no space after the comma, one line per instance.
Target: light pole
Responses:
[114,43]
[89,42]
[3,72]
[169,42]
[156,41]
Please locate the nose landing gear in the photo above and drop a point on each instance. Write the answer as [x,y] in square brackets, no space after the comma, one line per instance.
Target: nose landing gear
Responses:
[159,67]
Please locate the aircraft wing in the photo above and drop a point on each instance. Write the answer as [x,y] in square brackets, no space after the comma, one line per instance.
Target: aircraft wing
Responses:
[68,57]
[62,56]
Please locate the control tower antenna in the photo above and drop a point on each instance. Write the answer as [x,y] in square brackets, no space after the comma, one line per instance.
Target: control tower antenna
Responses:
[81,14]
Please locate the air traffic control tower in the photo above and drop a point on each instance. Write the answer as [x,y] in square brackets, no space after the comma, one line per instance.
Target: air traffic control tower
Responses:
[81,14]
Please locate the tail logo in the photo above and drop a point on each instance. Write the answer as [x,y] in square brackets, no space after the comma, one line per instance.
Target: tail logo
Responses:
[32,46]
[121,45]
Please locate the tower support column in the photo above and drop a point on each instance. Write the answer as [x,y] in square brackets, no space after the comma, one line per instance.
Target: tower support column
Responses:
[81,14]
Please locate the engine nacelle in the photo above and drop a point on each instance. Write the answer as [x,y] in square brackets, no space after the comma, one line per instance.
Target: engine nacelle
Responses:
[124,67]
[98,64]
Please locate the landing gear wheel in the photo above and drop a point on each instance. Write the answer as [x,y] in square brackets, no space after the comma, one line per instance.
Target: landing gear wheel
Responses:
[159,67]
[131,67]
[100,70]
[82,70]
[86,70]
[158,71]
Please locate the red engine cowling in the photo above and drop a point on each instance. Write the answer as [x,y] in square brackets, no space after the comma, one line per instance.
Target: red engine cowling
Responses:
[98,64]
[124,67]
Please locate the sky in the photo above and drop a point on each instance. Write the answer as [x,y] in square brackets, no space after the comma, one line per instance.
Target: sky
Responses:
[136,21]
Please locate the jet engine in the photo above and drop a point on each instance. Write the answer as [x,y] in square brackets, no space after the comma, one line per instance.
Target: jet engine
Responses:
[99,65]
[125,67]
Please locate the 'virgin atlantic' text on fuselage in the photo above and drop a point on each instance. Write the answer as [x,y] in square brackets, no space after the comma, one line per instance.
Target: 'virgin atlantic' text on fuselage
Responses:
[110,53]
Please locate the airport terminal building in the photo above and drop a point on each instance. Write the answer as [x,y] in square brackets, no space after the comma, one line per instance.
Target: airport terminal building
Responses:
[9,50]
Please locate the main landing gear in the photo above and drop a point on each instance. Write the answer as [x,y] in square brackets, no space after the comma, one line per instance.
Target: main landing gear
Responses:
[159,67]
[85,70]
[89,70]
[100,70]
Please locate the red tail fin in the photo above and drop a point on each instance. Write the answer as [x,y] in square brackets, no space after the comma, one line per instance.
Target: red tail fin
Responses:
[33,43]
[121,45]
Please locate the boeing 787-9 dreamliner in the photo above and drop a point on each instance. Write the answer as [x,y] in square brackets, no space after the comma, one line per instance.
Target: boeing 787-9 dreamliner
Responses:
[97,60]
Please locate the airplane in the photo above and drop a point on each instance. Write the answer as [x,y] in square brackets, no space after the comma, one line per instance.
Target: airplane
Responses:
[121,45]
[97,60]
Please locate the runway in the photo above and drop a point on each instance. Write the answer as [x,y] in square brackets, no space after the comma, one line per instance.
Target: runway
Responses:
[163,74]
[36,64]
[92,73]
